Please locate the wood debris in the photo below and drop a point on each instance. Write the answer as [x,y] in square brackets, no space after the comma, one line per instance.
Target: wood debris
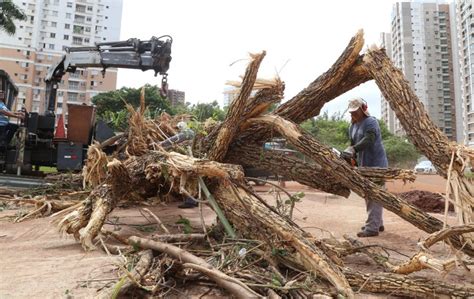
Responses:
[273,243]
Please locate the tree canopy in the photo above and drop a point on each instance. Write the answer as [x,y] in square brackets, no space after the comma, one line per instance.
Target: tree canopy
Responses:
[110,106]
[203,111]
[9,13]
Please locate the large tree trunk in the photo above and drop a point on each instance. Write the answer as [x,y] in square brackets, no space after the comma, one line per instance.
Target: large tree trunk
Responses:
[291,168]
[402,285]
[233,119]
[449,158]
[256,220]
[351,178]
[309,101]
[307,172]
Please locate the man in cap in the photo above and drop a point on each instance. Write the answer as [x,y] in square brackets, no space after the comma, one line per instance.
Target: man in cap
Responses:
[7,129]
[367,148]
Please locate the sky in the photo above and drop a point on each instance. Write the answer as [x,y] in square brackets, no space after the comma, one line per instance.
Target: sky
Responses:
[212,40]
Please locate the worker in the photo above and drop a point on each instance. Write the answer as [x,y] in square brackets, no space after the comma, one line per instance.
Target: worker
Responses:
[7,129]
[184,134]
[367,148]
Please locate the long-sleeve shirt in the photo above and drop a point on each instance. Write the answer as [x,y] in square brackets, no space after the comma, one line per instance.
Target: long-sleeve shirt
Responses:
[367,141]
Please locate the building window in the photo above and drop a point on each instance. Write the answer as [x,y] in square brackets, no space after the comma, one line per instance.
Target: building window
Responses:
[68,15]
[76,40]
[67,26]
[54,24]
[51,46]
[52,35]
[66,37]
[69,4]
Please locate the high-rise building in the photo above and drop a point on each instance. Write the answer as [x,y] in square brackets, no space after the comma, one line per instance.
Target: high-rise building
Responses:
[40,41]
[465,46]
[176,97]
[422,49]
[230,94]
[387,114]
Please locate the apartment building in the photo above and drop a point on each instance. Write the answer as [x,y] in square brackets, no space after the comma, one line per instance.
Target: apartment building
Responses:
[465,51]
[40,41]
[421,39]
[176,97]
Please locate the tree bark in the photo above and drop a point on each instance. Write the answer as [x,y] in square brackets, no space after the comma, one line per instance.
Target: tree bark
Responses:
[402,285]
[292,168]
[234,116]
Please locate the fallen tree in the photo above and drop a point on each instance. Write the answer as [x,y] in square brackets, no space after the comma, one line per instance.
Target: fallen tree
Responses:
[145,168]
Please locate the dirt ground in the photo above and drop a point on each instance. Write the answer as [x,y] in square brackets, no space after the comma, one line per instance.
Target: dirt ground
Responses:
[36,262]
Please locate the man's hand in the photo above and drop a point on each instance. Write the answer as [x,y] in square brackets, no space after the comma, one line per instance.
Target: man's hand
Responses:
[348,153]
[20,115]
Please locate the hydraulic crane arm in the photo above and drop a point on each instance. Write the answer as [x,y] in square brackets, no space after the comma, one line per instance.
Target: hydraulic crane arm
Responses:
[154,54]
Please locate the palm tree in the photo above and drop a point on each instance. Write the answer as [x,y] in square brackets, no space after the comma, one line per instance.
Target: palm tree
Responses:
[9,12]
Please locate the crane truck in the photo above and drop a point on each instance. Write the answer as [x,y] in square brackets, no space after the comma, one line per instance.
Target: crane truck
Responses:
[36,143]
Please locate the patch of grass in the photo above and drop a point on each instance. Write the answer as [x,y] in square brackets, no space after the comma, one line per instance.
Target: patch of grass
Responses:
[186,224]
[47,169]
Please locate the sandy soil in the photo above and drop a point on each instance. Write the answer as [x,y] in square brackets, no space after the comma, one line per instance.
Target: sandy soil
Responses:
[37,263]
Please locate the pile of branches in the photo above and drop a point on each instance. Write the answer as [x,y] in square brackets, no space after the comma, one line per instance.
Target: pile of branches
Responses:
[280,259]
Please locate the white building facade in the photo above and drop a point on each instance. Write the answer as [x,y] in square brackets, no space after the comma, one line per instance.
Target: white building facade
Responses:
[421,39]
[465,51]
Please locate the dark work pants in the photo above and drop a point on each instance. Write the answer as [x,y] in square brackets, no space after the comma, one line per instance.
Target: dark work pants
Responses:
[374,214]
[7,132]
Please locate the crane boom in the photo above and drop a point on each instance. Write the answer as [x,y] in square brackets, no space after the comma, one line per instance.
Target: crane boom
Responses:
[154,54]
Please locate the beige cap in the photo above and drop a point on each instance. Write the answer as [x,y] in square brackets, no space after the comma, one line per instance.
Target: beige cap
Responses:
[358,103]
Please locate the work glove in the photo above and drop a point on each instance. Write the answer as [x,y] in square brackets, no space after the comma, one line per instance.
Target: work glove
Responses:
[348,153]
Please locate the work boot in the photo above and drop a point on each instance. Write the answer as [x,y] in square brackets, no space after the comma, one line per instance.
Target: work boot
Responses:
[381,228]
[365,234]
[188,203]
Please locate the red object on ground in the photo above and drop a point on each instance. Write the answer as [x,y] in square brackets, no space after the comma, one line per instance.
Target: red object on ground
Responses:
[60,132]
